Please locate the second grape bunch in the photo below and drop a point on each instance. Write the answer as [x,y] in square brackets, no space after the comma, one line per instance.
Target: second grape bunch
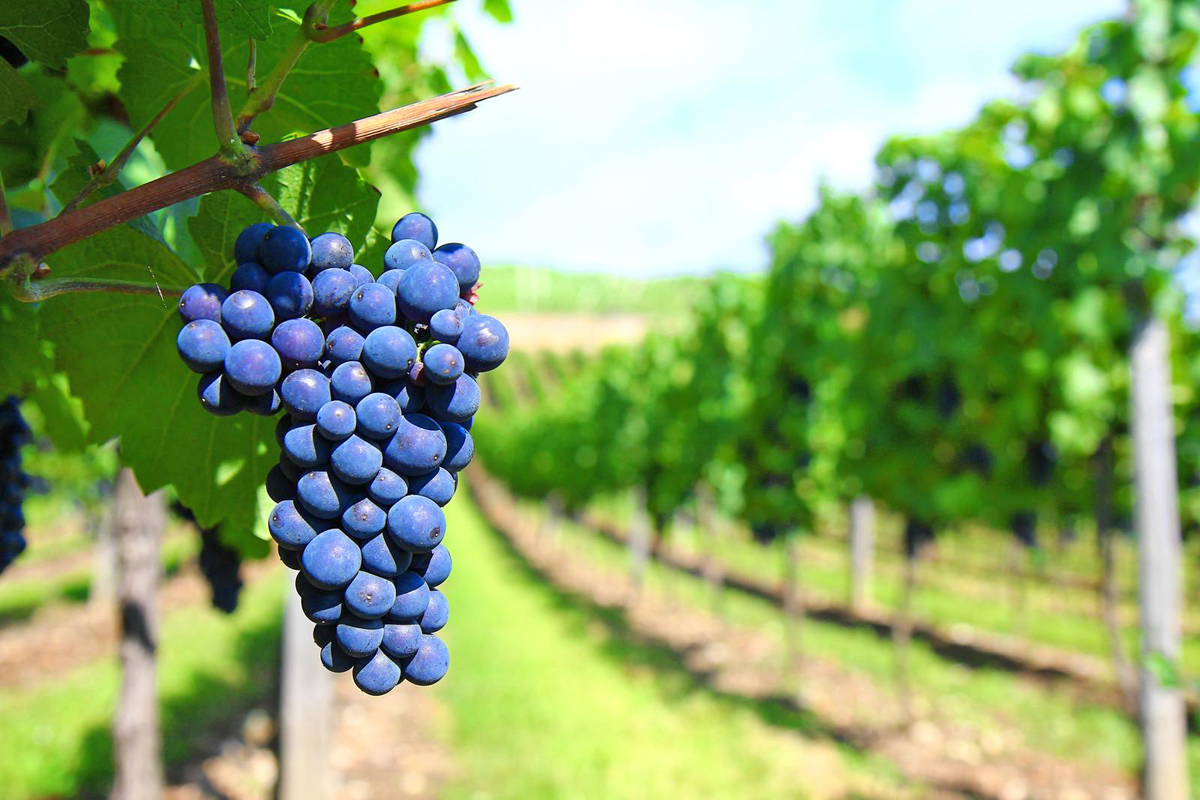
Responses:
[378,381]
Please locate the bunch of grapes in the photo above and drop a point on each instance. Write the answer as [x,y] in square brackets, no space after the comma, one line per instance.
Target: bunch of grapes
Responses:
[378,381]
[14,433]
[220,564]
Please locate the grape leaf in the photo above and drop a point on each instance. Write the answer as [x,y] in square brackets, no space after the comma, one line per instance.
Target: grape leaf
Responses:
[236,19]
[331,84]
[48,31]
[16,95]
[499,10]
[24,356]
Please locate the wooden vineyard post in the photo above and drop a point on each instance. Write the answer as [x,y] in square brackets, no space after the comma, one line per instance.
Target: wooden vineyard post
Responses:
[1163,713]
[138,525]
[862,551]
[639,542]
[305,710]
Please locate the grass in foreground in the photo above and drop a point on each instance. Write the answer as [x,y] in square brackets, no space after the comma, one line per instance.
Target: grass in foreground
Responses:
[546,702]
[55,738]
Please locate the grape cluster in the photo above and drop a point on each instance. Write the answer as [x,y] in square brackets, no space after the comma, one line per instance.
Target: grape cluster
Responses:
[378,381]
[14,433]
[220,564]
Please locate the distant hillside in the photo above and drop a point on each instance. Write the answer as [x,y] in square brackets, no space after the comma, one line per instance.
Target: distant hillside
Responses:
[535,289]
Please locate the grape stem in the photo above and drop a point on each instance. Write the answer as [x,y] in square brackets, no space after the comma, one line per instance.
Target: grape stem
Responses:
[230,144]
[215,173]
[322,33]
[252,66]
[263,199]
[34,289]
[109,173]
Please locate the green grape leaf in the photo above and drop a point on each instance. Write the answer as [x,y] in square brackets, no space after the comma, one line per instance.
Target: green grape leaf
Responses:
[236,19]
[16,95]
[48,31]
[161,61]
[467,58]
[499,10]
[24,356]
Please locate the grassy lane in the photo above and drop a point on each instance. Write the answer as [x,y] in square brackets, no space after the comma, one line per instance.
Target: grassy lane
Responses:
[55,738]
[544,702]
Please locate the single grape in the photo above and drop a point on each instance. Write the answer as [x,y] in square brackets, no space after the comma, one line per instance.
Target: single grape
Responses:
[404,253]
[336,420]
[443,364]
[332,289]
[426,288]
[362,276]
[285,249]
[331,560]
[364,519]
[290,295]
[376,675]
[343,344]
[292,528]
[304,392]
[391,279]
[454,403]
[430,664]
[331,251]
[409,397]
[290,558]
[433,566]
[437,613]
[334,659]
[418,446]
[322,606]
[462,261]
[446,325]
[247,315]
[372,306]
[306,447]
[202,345]
[378,415]
[350,383]
[416,524]
[299,342]
[416,226]
[252,367]
[389,352]
[369,596]
[412,598]
[252,276]
[484,343]
[265,405]
[218,397]
[323,495]
[382,557]
[460,447]
[245,247]
[400,640]
[202,301]
[359,637]
[279,487]
[464,308]
[387,488]
[356,460]
[438,486]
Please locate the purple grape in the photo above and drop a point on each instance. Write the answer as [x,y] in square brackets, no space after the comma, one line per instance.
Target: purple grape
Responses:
[252,367]
[362,276]
[412,598]
[376,675]
[344,344]
[202,345]
[331,251]
[364,519]
[389,352]
[416,524]
[247,315]
[218,397]
[372,306]
[462,261]
[426,288]
[323,495]
[290,295]
[322,606]
[382,557]
[369,596]
[387,487]
[292,528]
[356,460]
[446,325]
[400,640]
[350,383]
[202,301]
[416,226]
[306,447]
[460,447]
[437,613]
[304,392]
[434,566]
[443,364]
[245,247]
[299,342]
[404,253]
[391,279]
[336,420]
[484,343]
[250,275]
[378,415]
[334,659]
[418,446]
[456,402]
[332,289]
[265,405]
[430,664]
[331,560]
[359,637]
[437,486]
[285,249]
[279,488]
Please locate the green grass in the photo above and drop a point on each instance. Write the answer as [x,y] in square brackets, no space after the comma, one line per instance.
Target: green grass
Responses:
[508,289]
[55,738]
[19,599]
[549,698]
[1048,718]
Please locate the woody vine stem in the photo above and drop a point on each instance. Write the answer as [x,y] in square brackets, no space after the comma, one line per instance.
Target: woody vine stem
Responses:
[239,163]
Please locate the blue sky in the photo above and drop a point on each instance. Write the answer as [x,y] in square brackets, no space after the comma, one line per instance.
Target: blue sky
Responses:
[656,137]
